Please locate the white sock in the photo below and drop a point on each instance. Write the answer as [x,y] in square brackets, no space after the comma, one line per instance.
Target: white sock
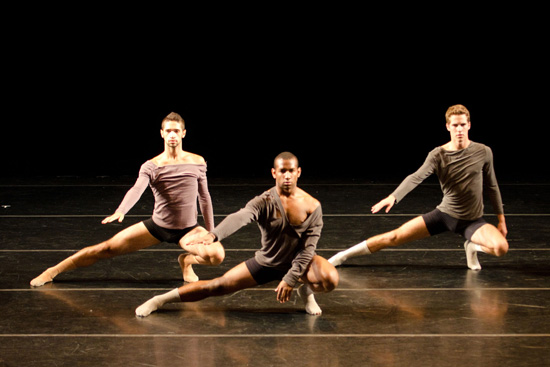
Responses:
[471,255]
[357,250]
[158,301]
[306,294]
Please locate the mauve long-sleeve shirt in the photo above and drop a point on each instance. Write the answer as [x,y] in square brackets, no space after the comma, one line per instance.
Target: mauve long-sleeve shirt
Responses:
[176,189]
[462,175]
[284,246]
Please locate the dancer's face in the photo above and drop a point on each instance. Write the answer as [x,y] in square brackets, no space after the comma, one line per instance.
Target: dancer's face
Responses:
[172,133]
[459,126]
[286,173]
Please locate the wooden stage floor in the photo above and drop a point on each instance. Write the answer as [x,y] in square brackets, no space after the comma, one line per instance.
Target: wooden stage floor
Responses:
[417,305]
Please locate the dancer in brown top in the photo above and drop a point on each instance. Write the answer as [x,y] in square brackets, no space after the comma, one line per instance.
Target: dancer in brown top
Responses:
[290,222]
[177,178]
[463,168]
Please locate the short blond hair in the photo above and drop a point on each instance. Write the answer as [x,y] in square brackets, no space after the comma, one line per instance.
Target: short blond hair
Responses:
[457,109]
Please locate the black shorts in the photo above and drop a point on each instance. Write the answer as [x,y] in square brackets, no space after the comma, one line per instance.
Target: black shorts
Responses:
[166,234]
[264,274]
[438,222]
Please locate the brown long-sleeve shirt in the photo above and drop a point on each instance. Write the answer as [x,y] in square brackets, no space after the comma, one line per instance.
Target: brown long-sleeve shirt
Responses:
[176,189]
[284,246]
[462,175]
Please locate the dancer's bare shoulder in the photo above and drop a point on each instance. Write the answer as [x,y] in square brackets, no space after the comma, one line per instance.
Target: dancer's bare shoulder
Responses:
[309,202]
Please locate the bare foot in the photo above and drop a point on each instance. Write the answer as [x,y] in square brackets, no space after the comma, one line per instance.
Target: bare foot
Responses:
[187,269]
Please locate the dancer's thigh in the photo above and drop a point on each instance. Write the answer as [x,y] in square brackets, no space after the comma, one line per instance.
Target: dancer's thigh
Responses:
[205,251]
[237,278]
[131,239]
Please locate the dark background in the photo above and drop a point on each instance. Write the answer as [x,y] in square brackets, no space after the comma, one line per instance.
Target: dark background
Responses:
[350,99]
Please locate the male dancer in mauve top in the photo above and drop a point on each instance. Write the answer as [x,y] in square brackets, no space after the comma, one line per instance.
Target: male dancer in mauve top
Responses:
[177,178]
[290,221]
[463,167]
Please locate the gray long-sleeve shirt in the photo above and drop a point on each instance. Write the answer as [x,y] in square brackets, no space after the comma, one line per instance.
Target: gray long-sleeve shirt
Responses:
[462,175]
[284,246]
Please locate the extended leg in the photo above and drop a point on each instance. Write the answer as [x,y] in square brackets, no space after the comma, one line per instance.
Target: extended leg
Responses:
[128,240]
[412,230]
[212,254]
[235,279]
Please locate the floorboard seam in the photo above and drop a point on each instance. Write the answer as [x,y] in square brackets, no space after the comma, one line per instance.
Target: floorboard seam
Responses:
[275,335]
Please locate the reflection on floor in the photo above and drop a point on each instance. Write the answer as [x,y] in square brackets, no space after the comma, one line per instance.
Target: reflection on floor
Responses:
[417,305]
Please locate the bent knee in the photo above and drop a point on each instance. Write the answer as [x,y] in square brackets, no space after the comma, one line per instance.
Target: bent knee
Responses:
[217,256]
[501,248]
[330,280]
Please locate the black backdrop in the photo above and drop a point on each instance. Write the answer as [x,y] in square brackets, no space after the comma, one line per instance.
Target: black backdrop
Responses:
[360,128]
[349,105]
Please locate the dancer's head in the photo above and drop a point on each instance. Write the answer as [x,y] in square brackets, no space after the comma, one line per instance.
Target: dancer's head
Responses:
[285,156]
[174,117]
[457,110]
[286,171]
[458,124]
[173,130]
